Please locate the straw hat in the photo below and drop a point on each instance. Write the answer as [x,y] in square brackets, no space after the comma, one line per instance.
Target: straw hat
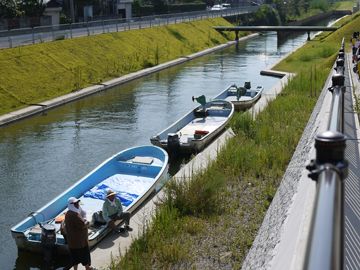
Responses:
[73,200]
[110,193]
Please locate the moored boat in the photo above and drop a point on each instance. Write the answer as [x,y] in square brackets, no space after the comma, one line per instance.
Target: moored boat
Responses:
[243,98]
[195,130]
[133,173]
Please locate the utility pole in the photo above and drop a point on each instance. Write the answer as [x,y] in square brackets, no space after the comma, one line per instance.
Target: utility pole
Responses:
[72,13]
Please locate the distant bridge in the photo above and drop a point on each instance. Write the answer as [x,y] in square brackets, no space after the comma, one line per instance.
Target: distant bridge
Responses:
[307,29]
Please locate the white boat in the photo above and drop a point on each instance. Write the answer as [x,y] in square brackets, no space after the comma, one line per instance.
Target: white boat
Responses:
[220,7]
[243,98]
[192,132]
[133,173]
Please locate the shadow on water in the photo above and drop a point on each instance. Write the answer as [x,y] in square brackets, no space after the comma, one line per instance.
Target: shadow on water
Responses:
[27,260]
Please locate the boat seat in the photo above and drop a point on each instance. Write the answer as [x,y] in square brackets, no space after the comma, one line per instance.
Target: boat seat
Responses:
[200,113]
[142,160]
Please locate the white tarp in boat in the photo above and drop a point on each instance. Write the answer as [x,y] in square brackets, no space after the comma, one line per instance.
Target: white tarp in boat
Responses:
[127,187]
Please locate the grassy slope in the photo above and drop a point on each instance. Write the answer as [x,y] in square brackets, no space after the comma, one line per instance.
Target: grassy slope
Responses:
[210,222]
[40,72]
[344,5]
[322,47]
[341,5]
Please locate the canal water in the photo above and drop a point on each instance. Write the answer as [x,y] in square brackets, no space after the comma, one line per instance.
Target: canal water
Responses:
[43,155]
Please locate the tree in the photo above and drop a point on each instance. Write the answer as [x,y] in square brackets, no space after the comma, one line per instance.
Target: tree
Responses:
[32,8]
[160,6]
[8,9]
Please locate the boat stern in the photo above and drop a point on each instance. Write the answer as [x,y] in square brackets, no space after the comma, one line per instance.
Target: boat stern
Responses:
[20,239]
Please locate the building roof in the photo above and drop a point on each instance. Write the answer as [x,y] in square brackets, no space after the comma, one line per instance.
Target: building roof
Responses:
[54,4]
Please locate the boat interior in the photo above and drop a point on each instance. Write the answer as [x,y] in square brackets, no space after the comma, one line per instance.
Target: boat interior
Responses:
[134,179]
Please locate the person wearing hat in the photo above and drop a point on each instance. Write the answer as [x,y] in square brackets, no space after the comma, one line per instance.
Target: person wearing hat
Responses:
[77,235]
[112,210]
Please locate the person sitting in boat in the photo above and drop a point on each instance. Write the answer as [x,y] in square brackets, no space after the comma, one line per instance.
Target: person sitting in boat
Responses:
[240,91]
[112,210]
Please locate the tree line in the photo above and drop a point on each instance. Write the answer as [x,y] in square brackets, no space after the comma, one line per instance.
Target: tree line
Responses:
[18,8]
[274,11]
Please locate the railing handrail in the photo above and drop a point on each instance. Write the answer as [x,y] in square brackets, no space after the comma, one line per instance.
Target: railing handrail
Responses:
[325,241]
[25,36]
[223,12]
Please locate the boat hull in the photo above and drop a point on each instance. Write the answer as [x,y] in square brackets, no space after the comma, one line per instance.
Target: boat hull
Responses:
[196,129]
[245,102]
[122,165]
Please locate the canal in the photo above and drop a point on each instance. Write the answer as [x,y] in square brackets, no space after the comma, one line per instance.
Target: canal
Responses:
[43,155]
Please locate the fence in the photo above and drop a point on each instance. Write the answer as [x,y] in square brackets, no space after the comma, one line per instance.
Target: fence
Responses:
[26,36]
[325,242]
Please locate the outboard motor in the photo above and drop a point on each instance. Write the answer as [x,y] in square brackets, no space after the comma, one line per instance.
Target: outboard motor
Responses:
[173,143]
[247,85]
[48,241]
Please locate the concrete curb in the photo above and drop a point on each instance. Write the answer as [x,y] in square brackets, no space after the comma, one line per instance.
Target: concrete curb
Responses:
[273,73]
[44,106]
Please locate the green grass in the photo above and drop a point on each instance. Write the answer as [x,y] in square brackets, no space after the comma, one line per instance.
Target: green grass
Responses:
[340,5]
[309,13]
[322,49]
[223,207]
[35,73]
[344,5]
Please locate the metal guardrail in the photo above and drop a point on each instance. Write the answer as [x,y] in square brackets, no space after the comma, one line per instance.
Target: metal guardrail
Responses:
[325,242]
[26,36]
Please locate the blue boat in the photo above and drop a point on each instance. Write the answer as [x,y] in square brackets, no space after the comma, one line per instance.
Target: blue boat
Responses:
[133,173]
[243,98]
[196,129]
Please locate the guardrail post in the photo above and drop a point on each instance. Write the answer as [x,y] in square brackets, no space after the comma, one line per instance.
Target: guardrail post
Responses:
[341,55]
[325,242]
[71,36]
[87,28]
[33,35]
[336,121]
[10,42]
